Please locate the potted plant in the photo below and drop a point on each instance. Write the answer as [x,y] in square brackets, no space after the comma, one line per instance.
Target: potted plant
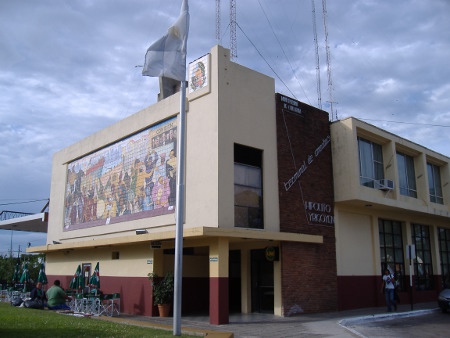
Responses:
[162,292]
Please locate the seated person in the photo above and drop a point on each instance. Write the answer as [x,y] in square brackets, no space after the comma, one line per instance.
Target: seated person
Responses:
[38,295]
[56,297]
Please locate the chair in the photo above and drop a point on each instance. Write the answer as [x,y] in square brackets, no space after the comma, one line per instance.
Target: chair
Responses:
[104,304]
[79,303]
[116,304]
[110,306]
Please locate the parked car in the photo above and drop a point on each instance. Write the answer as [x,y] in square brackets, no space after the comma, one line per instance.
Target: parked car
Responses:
[444,300]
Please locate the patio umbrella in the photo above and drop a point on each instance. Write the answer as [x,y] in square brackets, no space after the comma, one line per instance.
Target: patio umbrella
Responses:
[77,280]
[95,278]
[25,278]
[42,277]
[16,275]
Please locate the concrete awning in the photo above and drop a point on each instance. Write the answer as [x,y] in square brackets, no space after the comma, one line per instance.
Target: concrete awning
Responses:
[31,223]
[190,235]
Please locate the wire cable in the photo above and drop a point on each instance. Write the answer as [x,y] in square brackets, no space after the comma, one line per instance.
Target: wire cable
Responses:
[284,53]
[32,201]
[401,122]
[273,70]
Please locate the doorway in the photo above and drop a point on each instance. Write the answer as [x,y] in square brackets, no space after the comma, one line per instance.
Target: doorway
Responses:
[262,282]
[234,274]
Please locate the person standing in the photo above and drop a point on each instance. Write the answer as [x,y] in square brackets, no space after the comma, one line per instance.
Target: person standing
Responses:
[388,287]
[56,297]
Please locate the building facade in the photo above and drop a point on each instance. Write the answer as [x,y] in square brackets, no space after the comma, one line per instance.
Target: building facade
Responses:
[285,212]
[258,225]
[392,197]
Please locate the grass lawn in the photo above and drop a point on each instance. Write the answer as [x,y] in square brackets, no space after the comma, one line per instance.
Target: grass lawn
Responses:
[18,322]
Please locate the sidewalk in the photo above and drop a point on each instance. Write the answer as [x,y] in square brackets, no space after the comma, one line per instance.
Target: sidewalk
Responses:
[333,324]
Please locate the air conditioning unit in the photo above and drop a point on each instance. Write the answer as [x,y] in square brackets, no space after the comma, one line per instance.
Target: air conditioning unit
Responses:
[384,184]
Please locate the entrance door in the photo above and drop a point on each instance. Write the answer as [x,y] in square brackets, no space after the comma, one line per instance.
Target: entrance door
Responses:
[262,282]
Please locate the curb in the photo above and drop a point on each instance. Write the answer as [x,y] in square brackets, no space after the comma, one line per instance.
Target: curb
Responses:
[385,316]
[187,331]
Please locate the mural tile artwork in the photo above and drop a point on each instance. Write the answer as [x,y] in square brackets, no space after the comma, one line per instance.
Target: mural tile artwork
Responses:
[131,179]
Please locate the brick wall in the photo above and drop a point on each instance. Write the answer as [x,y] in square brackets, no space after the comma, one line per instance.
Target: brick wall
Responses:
[309,281]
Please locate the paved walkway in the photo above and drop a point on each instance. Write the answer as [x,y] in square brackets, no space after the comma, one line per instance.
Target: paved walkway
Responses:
[333,324]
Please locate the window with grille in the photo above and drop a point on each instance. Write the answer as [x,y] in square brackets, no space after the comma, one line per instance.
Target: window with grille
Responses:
[370,162]
[423,266]
[444,251]
[391,249]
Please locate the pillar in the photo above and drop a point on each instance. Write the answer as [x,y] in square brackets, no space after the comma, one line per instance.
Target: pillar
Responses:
[218,282]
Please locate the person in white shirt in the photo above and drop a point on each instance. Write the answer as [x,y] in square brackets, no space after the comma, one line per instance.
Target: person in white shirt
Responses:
[388,287]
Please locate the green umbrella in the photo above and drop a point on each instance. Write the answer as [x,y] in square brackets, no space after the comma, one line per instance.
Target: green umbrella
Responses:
[42,277]
[25,278]
[95,278]
[16,275]
[77,280]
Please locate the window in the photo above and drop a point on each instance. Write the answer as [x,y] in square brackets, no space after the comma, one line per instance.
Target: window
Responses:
[434,182]
[391,249]
[370,162]
[248,193]
[444,251]
[423,267]
[406,175]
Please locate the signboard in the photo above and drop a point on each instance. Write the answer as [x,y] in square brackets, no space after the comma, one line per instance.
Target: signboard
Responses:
[411,251]
[272,254]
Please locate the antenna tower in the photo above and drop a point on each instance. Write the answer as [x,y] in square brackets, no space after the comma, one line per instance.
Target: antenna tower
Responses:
[327,47]
[218,20]
[233,46]
[319,91]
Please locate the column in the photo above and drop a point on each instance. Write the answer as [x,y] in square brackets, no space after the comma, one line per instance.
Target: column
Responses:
[218,282]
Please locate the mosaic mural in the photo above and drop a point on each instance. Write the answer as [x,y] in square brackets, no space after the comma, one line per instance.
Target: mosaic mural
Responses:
[130,179]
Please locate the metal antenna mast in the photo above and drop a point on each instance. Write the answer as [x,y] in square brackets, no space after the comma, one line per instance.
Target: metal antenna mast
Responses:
[319,90]
[218,20]
[327,47]
[233,47]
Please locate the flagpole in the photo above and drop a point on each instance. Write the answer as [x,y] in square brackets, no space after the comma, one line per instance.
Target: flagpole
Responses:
[178,273]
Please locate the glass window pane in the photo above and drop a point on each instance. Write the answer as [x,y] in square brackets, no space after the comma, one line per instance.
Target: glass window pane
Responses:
[399,255]
[365,159]
[379,171]
[389,255]
[388,227]
[255,218]
[240,217]
[253,178]
[245,196]
[239,174]
[397,241]
[434,182]
[410,173]
[377,153]
[397,229]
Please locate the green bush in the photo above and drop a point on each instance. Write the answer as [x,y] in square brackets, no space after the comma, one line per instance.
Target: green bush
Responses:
[162,288]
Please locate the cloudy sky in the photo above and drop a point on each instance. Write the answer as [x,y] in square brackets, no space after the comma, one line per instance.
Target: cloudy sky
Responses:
[69,68]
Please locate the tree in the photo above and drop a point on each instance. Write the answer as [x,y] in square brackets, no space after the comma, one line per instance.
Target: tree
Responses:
[7,265]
